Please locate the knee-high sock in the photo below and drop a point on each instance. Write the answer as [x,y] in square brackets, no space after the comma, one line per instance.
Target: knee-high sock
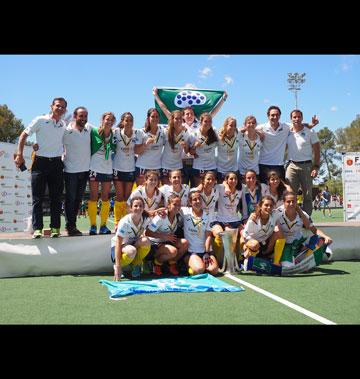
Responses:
[218,247]
[125,259]
[92,210]
[123,209]
[104,212]
[278,250]
[117,212]
[142,252]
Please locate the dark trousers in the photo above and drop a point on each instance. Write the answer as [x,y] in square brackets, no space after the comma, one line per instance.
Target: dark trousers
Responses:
[265,169]
[75,184]
[46,172]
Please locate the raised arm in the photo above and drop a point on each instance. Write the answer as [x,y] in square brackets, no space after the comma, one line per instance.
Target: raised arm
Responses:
[219,105]
[314,122]
[161,104]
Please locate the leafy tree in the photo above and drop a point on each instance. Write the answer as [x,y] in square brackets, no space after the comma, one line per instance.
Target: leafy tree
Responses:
[348,139]
[10,126]
[329,157]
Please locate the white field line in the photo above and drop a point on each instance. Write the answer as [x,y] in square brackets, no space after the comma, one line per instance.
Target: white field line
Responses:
[283,301]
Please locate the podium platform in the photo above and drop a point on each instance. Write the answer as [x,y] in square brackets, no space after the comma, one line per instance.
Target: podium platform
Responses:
[20,255]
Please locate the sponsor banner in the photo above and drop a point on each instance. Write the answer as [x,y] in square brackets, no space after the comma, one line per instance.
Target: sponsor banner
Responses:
[15,190]
[351,186]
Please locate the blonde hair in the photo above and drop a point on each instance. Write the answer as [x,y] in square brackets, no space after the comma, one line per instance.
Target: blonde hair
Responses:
[222,129]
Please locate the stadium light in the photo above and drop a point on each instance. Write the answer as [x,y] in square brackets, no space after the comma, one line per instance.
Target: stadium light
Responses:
[295,81]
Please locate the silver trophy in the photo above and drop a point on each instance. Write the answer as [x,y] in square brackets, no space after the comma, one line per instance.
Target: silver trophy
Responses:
[229,238]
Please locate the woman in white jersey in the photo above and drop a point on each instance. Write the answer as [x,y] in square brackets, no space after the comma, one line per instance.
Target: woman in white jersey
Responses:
[209,192]
[203,144]
[293,221]
[149,146]
[227,216]
[150,193]
[101,171]
[123,163]
[249,146]
[175,187]
[197,231]
[275,188]
[129,246]
[227,150]
[176,142]
[163,234]
[263,227]
[252,192]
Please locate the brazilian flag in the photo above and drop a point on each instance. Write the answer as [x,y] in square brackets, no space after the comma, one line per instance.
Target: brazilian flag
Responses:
[201,100]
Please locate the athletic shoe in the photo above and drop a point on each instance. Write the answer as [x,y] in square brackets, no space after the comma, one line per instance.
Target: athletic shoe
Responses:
[93,230]
[104,230]
[74,232]
[136,271]
[328,253]
[55,232]
[147,267]
[37,233]
[173,269]
[157,270]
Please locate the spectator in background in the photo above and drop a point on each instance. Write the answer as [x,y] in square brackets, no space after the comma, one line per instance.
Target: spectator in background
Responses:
[47,168]
[325,201]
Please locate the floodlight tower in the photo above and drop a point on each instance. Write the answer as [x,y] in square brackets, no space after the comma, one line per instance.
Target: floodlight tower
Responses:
[295,81]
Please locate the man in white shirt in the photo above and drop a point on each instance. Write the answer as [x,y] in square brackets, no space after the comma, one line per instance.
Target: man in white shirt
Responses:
[272,152]
[302,143]
[47,168]
[76,166]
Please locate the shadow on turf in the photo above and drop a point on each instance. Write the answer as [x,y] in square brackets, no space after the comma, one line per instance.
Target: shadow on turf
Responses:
[319,271]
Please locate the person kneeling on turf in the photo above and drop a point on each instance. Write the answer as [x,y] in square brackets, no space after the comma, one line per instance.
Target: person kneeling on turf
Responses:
[162,233]
[129,246]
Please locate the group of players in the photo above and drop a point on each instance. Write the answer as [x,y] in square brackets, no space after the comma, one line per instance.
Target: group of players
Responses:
[209,183]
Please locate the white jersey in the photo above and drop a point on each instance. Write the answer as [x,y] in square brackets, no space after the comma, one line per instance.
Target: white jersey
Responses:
[77,148]
[292,229]
[273,147]
[206,159]
[259,232]
[300,144]
[228,205]
[195,229]
[129,231]
[190,129]
[209,202]
[49,135]
[278,201]
[172,158]
[124,158]
[98,163]
[151,203]
[249,153]
[251,198]
[227,154]
[164,225]
[167,190]
[150,158]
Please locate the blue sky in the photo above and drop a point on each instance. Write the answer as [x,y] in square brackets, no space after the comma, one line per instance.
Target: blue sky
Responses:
[121,83]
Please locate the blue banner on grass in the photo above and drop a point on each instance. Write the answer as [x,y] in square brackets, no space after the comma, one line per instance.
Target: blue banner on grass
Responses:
[196,283]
